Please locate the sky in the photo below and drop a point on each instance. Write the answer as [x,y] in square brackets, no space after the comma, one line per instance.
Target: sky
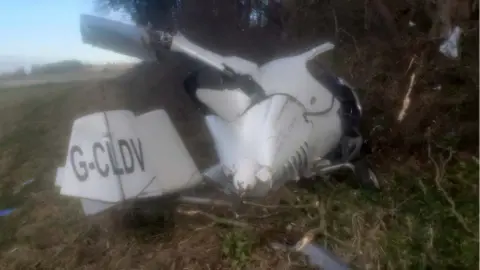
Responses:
[43,31]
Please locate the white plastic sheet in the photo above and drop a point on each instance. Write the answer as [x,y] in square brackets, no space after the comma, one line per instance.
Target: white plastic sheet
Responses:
[450,46]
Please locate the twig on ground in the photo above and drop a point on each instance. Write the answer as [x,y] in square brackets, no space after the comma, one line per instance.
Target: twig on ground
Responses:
[335,21]
[321,213]
[299,206]
[310,236]
[307,238]
[214,218]
[267,215]
[205,227]
[395,209]
[196,230]
[439,175]
[366,16]
[410,64]
[422,186]
[406,99]
[387,16]
[353,38]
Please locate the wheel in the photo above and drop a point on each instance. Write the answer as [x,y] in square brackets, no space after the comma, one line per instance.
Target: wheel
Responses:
[365,176]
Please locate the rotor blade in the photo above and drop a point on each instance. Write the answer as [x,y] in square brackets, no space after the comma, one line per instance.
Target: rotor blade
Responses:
[114,36]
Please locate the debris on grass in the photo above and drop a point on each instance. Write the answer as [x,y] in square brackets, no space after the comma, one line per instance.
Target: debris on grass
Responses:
[449,47]
[317,256]
[6,212]
[23,185]
[28,182]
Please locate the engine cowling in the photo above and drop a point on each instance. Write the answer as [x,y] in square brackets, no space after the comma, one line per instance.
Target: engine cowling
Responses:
[258,148]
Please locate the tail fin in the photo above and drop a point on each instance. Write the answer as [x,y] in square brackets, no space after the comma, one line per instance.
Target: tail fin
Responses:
[115,156]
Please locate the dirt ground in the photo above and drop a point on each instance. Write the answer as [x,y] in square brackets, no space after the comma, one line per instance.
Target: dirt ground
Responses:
[425,217]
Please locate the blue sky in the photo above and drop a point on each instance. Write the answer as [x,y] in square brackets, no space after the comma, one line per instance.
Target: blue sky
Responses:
[39,31]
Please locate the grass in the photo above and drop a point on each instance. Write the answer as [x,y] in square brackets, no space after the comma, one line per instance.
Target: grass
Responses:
[237,246]
[65,78]
[411,224]
[24,153]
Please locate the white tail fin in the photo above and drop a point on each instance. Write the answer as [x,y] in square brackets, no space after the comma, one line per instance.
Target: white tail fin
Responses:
[115,156]
[91,207]
[165,154]
[93,168]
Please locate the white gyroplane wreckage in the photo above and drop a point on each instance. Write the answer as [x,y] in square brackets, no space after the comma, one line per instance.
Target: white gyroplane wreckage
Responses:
[271,124]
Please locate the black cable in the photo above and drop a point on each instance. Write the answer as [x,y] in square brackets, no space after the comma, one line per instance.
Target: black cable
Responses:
[294,99]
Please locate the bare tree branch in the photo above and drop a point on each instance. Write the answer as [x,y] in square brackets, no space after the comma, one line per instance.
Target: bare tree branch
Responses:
[439,175]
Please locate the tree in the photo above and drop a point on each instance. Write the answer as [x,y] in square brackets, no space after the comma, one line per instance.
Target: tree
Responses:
[159,13]
[440,13]
[19,73]
[165,13]
[58,67]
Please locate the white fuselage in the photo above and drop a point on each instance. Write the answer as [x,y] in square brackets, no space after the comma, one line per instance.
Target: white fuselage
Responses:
[280,124]
[261,144]
[278,139]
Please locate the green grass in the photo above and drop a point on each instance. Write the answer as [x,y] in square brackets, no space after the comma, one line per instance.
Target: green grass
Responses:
[413,220]
[237,246]
[25,152]
[61,78]
[408,225]
[424,232]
